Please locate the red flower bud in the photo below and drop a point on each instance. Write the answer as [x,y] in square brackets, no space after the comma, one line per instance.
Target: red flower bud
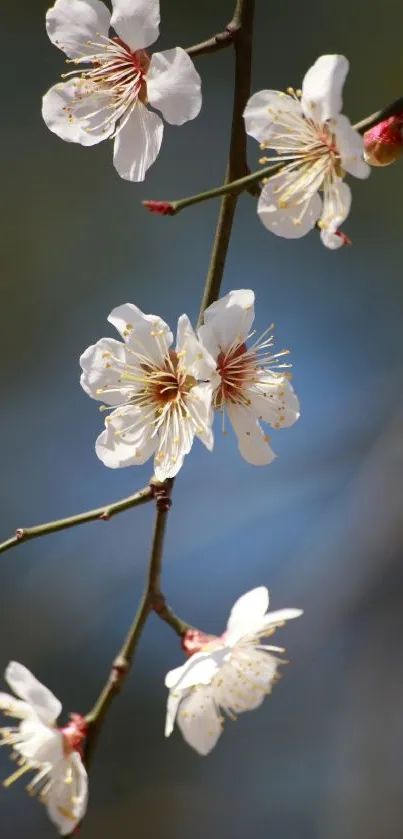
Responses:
[383,143]
[162,208]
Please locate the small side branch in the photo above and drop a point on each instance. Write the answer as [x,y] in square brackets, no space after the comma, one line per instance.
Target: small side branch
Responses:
[24,534]
[152,600]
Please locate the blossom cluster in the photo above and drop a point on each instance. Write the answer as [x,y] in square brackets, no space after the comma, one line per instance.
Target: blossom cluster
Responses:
[159,399]
[158,393]
[222,676]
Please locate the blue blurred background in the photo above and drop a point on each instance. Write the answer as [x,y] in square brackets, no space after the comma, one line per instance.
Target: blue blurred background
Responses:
[322,526]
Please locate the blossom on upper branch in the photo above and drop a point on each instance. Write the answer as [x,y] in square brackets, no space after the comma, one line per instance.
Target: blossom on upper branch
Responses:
[317,144]
[54,754]
[159,397]
[229,674]
[115,79]
[249,384]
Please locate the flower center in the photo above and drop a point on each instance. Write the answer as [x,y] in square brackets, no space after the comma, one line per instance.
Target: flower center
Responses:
[116,75]
[237,367]
[167,384]
[74,734]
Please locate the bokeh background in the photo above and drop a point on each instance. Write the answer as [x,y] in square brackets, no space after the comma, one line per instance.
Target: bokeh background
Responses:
[322,526]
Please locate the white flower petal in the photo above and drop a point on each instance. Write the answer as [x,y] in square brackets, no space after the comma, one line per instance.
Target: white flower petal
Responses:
[248,609]
[322,88]
[336,206]
[136,21]
[70,24]
[198,720]
[227,320]
[274,403]
[174,86]
[292,221]
[199,669]
[200,405]
[262,112]
[101,371]
[27,687]
[279,617]
[252,443]
[40,743]
[331,240]
[146,334]
[15,707]
[121,445]
[66,800]
[173,702]
[137,144]
[350,145]
[195,357]
[245,683]
[72,111]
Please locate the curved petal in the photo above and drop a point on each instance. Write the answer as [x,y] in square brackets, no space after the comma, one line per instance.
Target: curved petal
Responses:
[336,207]
[350,145]
[15,707]
[40,743]
[292,221]
[148,335]
[136,21]
[279,617]
[199,669]
[274,402]
[103,364]
[265,109]
[322,87]
[331,240]
[227,320]
[200,406]
[248,609]
[193,354]
[27,687]
[174,86]
[252,443]
[72,24]
[67,797]
[73,112]
[173,702]
[137,144]
[198,720]
[126,440]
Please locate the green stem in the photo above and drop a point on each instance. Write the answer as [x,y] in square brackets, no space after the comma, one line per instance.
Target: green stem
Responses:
[233,187]
[24,534]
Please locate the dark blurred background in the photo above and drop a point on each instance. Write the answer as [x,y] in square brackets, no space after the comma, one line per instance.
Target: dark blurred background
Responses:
[322,526]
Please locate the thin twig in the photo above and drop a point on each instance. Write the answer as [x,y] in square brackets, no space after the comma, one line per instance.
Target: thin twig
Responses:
[237,163]
[24,534]
[391,110]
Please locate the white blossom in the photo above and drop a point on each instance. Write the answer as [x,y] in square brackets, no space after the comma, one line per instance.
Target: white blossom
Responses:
[114,79]
[158,397]
[53,754]
[250,383]
[318,146]
[227,675]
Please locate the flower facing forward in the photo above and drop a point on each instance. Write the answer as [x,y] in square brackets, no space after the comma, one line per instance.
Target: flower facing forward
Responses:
[53,754]
[157,401]
[230,674]
[318,146]
[114,79]
[250,383]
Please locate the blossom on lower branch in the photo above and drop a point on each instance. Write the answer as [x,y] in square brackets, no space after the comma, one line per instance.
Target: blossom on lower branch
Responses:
[229,675]
[53,754]
[250,383]
[114,80]
[316,144]
[159,398]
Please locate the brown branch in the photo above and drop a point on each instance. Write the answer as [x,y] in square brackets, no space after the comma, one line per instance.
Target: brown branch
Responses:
[237,163]
[24,534]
